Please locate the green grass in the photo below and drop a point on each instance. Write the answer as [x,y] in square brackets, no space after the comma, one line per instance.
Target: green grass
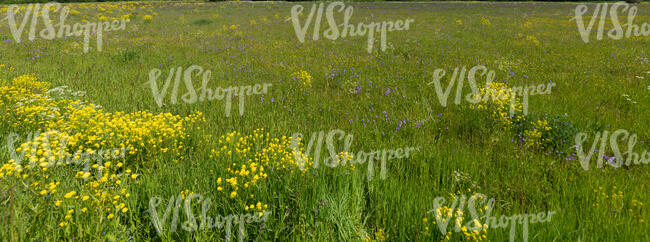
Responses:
[334,204]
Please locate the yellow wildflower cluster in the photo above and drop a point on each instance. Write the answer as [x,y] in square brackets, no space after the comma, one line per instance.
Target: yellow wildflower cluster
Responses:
[534,137]
[100,195]
[25,105]
[4,67]
[186,193]
[485,21]
[88,126]
[302,77]
[250,158]
[258,208]
[496,98]
[99,11]
[379,236]
[532,39]
[72,129]
[345,158]
[499,100]
[457,215]
[617,204]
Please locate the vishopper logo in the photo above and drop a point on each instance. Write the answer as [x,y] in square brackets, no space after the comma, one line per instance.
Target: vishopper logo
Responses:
[617,159]
[49,148]
[34,11]
[205,92]
[443,215]
[335,158]
[504,94]
[618,31]
[333,31]
[206,221]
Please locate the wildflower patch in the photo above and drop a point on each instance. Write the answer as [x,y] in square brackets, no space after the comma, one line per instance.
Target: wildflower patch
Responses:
[205,220]
[475,229]
[500,93]
[33,11]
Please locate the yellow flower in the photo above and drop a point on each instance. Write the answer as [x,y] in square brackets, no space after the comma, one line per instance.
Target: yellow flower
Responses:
[62,224]
[110,216]
[85,125]
[233,194]
[485,21]
[302,77]
[147,17]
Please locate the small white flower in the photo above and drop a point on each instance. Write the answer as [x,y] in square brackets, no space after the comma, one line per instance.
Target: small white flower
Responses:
[640,77]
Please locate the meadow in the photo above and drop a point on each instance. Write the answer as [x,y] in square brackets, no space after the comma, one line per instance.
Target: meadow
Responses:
[104,100]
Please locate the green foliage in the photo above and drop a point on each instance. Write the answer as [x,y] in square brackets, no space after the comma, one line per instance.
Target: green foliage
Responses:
[201,22]
[126,55]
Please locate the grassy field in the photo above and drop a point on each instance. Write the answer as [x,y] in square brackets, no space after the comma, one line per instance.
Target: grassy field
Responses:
[245,163]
